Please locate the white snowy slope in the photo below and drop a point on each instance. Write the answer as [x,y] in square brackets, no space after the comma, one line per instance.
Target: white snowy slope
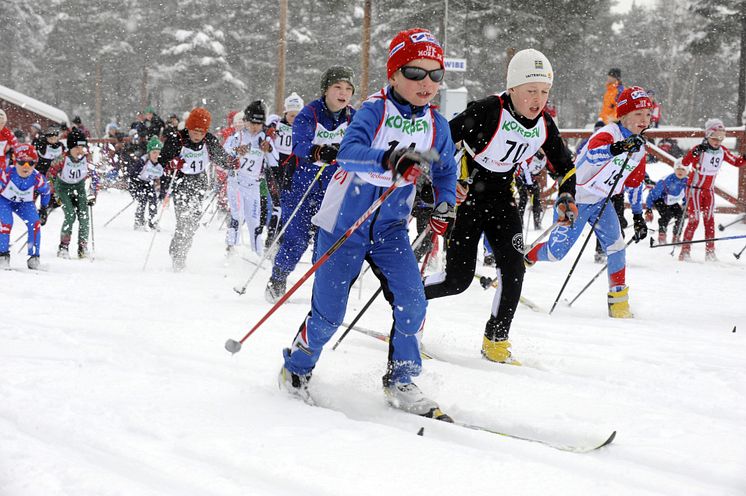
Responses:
[114,381]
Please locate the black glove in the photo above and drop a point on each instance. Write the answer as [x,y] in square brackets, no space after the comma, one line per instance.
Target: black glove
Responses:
[699,149]
[324,153]
[631,144]
[641,228]
[91,201]
[404,162]
[442,217]
[43,213]
[566,209]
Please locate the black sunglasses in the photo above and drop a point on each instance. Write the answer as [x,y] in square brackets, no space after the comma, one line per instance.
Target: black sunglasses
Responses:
[418,73]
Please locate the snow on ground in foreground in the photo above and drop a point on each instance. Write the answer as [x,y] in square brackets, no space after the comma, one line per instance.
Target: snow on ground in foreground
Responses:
[114,381]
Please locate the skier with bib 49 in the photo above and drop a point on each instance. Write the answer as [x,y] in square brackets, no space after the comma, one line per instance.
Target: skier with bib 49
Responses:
[614,158]
[390,138]
[498,133]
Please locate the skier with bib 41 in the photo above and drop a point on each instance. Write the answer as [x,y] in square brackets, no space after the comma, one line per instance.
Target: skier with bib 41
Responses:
[387,140]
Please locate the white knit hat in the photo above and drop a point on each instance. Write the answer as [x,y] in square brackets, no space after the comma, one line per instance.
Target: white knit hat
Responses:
[712,126]
[529,66]
[679,164]
[293,103]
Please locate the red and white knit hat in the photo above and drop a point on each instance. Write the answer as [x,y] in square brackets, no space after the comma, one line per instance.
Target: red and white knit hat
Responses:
[25,153]
[410,45]
[632,98]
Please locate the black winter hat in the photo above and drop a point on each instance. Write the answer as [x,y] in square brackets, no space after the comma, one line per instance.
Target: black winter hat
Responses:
[76,138]
[255,112]
[52,130]
[615,73]
[337,73]
[76,120]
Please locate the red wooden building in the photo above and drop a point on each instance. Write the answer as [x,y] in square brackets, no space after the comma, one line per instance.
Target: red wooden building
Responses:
[22,111]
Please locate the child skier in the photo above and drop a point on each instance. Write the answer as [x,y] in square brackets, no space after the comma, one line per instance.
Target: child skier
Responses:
[317,131]
[68,174]
[8,141]
[18,185]
[498,133]
[705,160]
[143,173]
[614,158]
[252,152]
[48,147]
[667,197]
[187,156]
[384,142]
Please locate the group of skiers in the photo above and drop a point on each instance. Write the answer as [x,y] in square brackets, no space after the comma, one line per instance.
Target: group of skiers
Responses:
[348,179]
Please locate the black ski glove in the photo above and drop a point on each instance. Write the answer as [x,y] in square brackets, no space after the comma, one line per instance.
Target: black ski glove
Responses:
[324,153]
[442,217]
[43,213]
[641,228]
[699,149]
[631,144]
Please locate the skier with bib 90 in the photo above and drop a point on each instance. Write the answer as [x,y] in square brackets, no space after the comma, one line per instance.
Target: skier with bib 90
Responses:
[615,157]
[498,133]
[388,139]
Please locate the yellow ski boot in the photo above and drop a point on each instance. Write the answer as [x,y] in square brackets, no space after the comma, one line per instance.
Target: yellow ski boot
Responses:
[498,351]
[619,304]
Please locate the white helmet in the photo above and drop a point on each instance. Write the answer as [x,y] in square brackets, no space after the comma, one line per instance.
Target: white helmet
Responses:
[293,103]
[529,66]
[679,164]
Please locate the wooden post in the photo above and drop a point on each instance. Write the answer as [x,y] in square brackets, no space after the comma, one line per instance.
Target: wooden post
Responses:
[281,49]
[97,89]
[365,55]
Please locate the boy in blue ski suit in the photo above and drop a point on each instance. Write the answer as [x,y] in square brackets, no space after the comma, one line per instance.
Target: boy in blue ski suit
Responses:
[317,132]
[667,197]
[19,184]
[614,158]
[386,140]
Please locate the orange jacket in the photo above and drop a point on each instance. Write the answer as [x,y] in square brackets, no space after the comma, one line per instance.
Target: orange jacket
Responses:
[608,110]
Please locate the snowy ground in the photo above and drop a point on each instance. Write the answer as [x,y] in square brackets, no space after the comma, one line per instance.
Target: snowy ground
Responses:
[114,381]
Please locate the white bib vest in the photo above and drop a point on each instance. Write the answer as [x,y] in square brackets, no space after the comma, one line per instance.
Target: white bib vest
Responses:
[417,134]
[15,194]
[511,144]
[594,182]
[150,171]
[51,152]
[323,136]
[709,164]
[74,172]
[284,138]
[195,161]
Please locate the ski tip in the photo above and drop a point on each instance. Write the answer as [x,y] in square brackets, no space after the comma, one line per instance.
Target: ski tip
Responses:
[421,432]
[233,346]
[608,441]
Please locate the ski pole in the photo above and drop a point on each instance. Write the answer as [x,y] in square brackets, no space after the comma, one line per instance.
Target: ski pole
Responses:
[590,234]
[738,255]
[19,238]
[594,278]
[739,219]
[417,242]
[234,346]
[93,237]
[209,204]
[164,204]
[269,250]
[653,245]
[119,213]
[540,238]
